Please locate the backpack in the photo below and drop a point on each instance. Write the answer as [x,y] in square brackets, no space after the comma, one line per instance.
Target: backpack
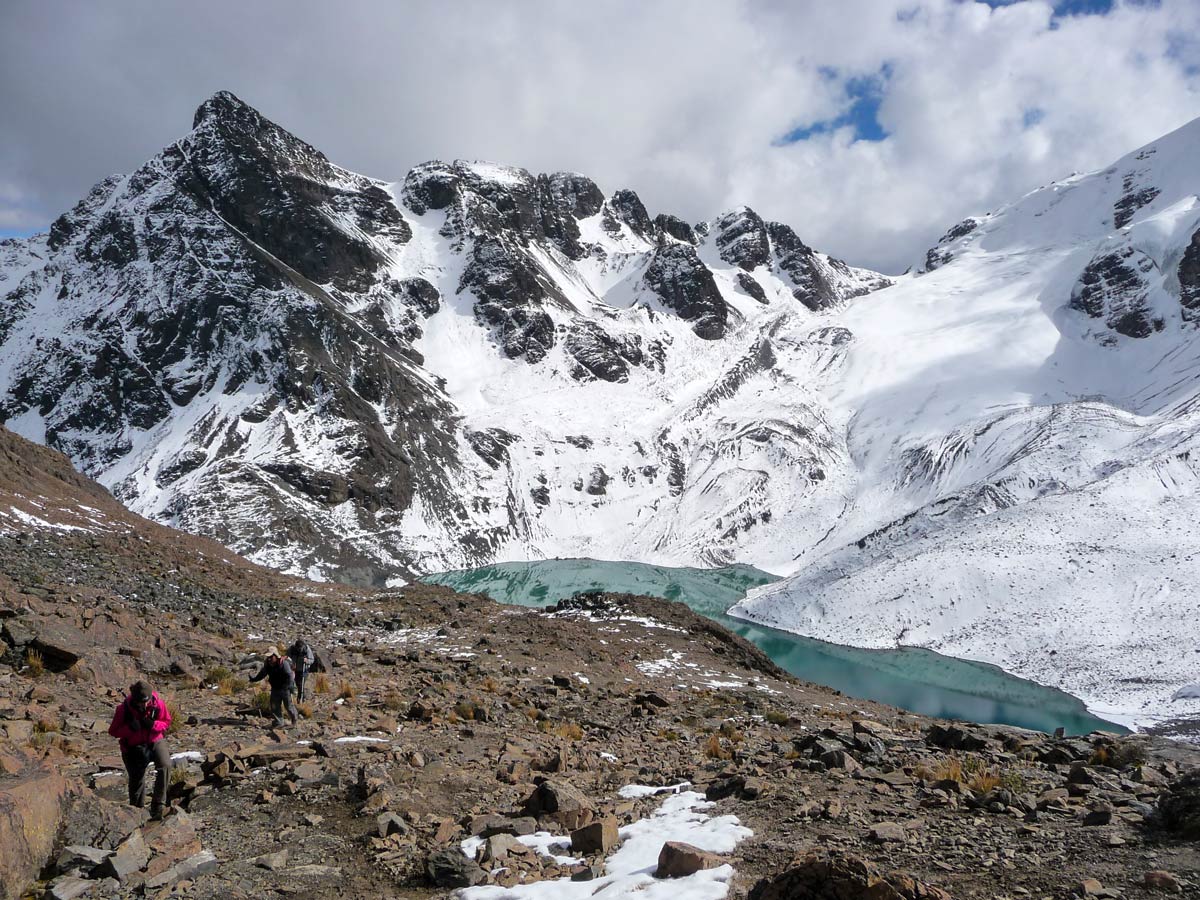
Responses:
[301,654]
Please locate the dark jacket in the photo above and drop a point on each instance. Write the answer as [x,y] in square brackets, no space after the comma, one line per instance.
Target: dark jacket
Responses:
[301,656]
[280,675]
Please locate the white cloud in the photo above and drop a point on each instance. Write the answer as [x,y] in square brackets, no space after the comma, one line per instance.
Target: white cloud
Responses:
[683,100]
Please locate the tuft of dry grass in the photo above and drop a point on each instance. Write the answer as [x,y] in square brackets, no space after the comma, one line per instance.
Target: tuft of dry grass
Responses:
[950,769]
[230,685]
[714,749]
[983,782]
[34,663]
[569,730]
[393,701]
[490,685]
[777,717]
[321,683]
[261,702]
[178,720]
[305,709]
[217,674]
[346,691]
[46,726]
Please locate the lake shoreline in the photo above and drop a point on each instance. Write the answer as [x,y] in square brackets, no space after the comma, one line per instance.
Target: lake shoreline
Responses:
[916,679]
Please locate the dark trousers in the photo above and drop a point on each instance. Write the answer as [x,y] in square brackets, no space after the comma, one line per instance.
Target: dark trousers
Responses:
[301,674]
[281,700]
[137,760]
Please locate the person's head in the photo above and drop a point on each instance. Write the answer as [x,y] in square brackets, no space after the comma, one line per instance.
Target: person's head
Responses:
[272,655]
[141,695]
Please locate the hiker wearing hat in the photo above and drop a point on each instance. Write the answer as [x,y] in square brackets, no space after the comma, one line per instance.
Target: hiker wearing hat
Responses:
[279,674]
[140,722]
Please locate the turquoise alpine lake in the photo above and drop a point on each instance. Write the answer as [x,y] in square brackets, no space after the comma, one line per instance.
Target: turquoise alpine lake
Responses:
[919,680]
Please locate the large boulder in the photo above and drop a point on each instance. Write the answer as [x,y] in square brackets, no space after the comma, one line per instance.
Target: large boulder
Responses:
[450,869]
[679,860]
[819,876]
[33,800]
[561,801]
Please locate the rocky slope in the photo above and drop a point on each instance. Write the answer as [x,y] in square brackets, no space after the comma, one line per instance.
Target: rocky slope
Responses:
[351,379]
[452,737]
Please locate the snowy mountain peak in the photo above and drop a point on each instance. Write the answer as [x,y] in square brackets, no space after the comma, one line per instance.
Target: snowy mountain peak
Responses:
[350,378]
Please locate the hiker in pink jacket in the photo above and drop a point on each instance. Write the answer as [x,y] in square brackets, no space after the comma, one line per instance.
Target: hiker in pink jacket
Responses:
[140,723]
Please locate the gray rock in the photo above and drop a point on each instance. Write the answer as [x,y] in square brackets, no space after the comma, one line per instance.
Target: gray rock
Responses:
[68,887]
[888,833]
[272,861]
[390,823]
[202,863]
[450,869]
[79,857]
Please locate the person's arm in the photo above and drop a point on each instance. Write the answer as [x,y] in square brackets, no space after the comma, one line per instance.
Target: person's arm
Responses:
[120,727]
[262,673]
[162,721]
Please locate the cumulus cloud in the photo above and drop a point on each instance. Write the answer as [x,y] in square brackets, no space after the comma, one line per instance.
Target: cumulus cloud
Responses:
[690,102]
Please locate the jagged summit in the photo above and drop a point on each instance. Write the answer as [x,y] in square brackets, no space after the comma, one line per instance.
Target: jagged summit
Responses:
[314,366]
[227,106]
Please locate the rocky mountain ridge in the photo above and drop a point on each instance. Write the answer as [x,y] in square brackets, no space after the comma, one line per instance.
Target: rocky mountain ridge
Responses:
[231,338]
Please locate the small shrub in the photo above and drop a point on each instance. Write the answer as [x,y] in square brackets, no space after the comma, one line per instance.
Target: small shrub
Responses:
[178,720]
[1014,781]
[983,782]
[532,713]
[34,663]
[393,701]
[713,748]
[669,734]
[1127,753]
[346,691]
[950,769]
[973,765]
[490,685]
[465,710]
[305,709]
[261,702]
[569,730]
[776,717]
[730,732]
[231,685]
[217,674]
[321,683]
[44,740]
[46,726]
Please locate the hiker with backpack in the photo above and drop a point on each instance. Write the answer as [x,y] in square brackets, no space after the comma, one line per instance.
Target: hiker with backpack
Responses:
[280,675]
[302,659]
[140,723]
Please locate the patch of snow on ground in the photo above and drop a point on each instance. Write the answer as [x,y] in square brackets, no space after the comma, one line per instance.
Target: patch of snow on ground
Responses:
[629,872]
